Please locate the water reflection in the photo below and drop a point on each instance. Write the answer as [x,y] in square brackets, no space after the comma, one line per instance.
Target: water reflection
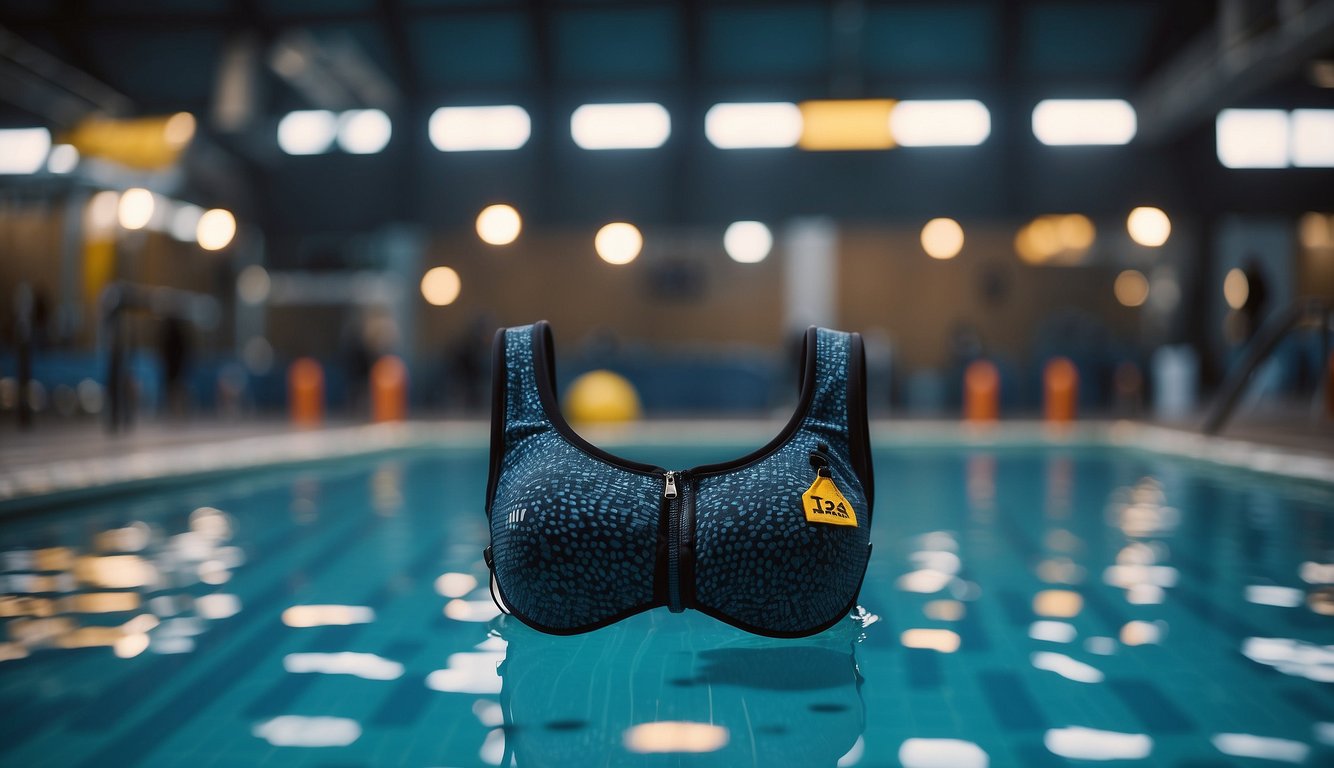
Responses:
[114,589]
[670,684]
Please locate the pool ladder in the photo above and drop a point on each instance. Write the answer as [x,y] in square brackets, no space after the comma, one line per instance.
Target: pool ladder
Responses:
[1303,312]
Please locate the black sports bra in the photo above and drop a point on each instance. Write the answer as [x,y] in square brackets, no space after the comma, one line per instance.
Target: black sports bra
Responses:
[776,542]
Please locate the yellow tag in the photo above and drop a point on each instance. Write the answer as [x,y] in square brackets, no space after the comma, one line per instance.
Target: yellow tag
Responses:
[824,504]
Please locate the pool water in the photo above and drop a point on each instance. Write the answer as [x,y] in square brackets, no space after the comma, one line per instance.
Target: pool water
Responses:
[1024,607]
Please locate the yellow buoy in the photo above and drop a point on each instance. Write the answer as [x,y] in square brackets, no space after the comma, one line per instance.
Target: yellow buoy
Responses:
[601,397]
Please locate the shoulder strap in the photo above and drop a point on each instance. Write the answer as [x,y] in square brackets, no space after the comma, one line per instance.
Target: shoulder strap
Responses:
[516,406]
[839,400]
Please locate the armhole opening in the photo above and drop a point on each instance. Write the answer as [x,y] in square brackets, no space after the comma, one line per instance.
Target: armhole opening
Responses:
[859,433]
[498,408]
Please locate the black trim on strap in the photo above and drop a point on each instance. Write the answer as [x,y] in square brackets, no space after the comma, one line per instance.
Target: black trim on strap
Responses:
[498,408]
[809,353]
[545,375]
[859,432]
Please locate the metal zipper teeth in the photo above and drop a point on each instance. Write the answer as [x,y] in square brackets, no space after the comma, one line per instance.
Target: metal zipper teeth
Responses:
[674,503]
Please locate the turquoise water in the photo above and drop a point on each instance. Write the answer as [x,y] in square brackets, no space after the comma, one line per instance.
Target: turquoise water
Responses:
[1025,607]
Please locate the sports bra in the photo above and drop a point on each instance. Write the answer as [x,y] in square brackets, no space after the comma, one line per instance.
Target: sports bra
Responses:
[775,542]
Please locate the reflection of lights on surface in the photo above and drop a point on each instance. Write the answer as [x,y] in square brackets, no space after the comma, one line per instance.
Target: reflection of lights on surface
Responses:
[211,523]
[675,736]
[618,243]
[1317,573]
[488,713]
[944,123]
[214,572]
[1141,633]
[1262,747]
[941,753]
[1236,288]
[1064,122]
[130,646]
[217,606]
[1292,657]
[469,129]
[115,571]
[459,609]
[620,126]
[1058,603]
[468,673]
[455,584]
[130,539]
[1148,226]
[102,602]
[12,652]
[1131,288]
[307,132]
[493,747]
[924,581]
[63,158]
[1313,138]
[1102,646]
[943,610]
[943,561]
[753,126]
[23,150]
[747,242]
[1128,575]
[364,131]
[1060,570]
[299,731]
[440,286]
[364,665]
[135,209]
[940,640]
[942,238]
[252,284]
[215,229]
[1052,631]
[327,615]
[1145,594]
[1067,667]
[1268,594]
[499,224]
[1252,138]
[1079,743]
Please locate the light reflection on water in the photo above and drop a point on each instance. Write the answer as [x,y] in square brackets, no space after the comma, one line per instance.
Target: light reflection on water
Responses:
[1025,607]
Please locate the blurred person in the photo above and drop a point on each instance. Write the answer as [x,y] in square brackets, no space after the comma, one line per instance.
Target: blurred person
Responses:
[174,344]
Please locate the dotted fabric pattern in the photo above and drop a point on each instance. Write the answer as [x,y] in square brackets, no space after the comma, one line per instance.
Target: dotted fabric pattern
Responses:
[575,539]
[757,559]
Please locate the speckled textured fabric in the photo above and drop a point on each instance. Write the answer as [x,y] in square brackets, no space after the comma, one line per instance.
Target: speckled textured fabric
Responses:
[580,538]
[574,539]
[758,561]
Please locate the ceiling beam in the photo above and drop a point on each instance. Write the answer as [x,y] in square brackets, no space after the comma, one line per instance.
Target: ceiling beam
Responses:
[1229,64]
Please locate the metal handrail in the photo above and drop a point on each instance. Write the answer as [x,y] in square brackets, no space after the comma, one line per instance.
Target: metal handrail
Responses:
[1260,348]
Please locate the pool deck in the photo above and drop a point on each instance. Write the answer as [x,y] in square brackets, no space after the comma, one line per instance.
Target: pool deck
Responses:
[44,467]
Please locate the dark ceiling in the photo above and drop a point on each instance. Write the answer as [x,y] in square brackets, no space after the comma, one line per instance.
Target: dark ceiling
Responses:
[167,55]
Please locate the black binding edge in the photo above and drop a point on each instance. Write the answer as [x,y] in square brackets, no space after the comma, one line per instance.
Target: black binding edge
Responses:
[579,630]
[545,374]
[787,635]
[808,364]
[859,432]
[498,378]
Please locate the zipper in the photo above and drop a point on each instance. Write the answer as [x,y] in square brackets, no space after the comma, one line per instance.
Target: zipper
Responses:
[670,493]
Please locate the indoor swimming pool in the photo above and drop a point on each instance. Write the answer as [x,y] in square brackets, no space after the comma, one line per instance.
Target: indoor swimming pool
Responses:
[1026,605]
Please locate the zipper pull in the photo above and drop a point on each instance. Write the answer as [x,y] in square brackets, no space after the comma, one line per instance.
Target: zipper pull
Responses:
[669,488]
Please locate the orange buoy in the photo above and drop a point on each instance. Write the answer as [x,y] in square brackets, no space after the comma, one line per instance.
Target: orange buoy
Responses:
[389,389]
[1060,382]
[305,392]
[981,392]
